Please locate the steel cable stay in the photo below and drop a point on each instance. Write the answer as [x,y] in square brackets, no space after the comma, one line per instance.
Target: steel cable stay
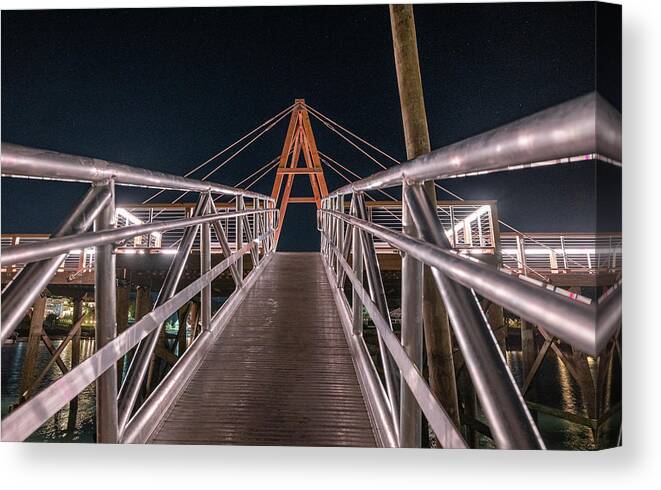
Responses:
[282,113]
[326,159]
[265,169]
[447,213]
[231,157]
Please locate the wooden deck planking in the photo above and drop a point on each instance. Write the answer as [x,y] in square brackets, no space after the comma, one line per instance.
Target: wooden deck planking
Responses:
[281,372]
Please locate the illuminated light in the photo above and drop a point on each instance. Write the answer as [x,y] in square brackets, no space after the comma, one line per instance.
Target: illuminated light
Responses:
[131,218]
[134,220]
[169,251]
[129,251]
[568,251]
[141,252]
[468,219]
[525,140]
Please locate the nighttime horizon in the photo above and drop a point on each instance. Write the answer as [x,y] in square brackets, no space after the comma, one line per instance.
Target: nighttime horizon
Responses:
[198,246]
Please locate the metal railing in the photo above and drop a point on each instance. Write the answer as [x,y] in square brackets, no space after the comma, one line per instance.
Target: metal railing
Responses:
[550,254]
[166,242]
[120,416]
[586,125]
[469,225]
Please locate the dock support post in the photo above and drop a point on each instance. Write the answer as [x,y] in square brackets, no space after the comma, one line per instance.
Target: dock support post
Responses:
[435,321]
[75,360]
[142,302]
[528,347]
[34,339]
[106,325]
[122,319]
[410,417]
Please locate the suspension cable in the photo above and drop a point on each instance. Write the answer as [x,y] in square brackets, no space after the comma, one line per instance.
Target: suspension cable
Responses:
[265,168]
[271,120]
[388,195]
[329,123]
[387,210]
[375,148]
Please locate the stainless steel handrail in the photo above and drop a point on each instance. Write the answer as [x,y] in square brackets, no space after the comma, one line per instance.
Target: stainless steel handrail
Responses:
[35,163]
[28,417]
[586,125]
[44,249]
[114,414]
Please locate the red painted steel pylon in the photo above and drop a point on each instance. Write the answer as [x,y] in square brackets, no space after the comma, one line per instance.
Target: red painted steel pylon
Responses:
[299,139]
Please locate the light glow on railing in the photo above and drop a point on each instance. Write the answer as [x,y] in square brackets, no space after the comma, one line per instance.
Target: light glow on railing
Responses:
[560,251]
[468,219]
[132,219]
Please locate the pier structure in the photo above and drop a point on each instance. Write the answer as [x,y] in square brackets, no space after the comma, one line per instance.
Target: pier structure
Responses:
[283,360]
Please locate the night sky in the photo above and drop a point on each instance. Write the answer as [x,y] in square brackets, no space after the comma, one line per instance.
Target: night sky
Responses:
[167,88]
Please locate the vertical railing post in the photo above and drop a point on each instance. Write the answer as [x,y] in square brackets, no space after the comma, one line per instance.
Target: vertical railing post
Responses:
[410,419]
[106,325]
[357,264]
[340,235]
[258,222]
[239,233]
[205,266]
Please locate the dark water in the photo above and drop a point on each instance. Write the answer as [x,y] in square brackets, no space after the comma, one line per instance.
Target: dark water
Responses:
[555,388]
[57,428]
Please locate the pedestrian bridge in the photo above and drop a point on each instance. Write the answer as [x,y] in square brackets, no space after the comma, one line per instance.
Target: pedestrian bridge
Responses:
[283,361]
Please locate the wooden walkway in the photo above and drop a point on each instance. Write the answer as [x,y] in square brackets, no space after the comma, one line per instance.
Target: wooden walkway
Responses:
[281,372]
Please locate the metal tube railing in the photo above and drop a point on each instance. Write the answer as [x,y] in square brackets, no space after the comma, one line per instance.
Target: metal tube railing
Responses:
[571,321]
[585,125]
[510,421]
[105,329]
[21,293]
[113,411]
[54,246]
[410,421]
[137,372]
[21,161]
[448,435]
[28,417]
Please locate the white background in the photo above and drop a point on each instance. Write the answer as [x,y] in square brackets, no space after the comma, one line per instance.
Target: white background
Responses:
[636,465]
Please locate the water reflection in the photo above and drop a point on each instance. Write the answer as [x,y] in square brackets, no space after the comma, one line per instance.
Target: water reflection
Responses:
[59,428]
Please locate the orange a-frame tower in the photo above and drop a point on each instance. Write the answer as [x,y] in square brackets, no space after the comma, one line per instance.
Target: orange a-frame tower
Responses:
[299,139]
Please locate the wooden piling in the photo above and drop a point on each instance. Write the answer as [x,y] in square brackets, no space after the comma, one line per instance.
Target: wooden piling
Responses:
[528,347]
[28,372]
[122,312]
[75,360]
[435,321]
